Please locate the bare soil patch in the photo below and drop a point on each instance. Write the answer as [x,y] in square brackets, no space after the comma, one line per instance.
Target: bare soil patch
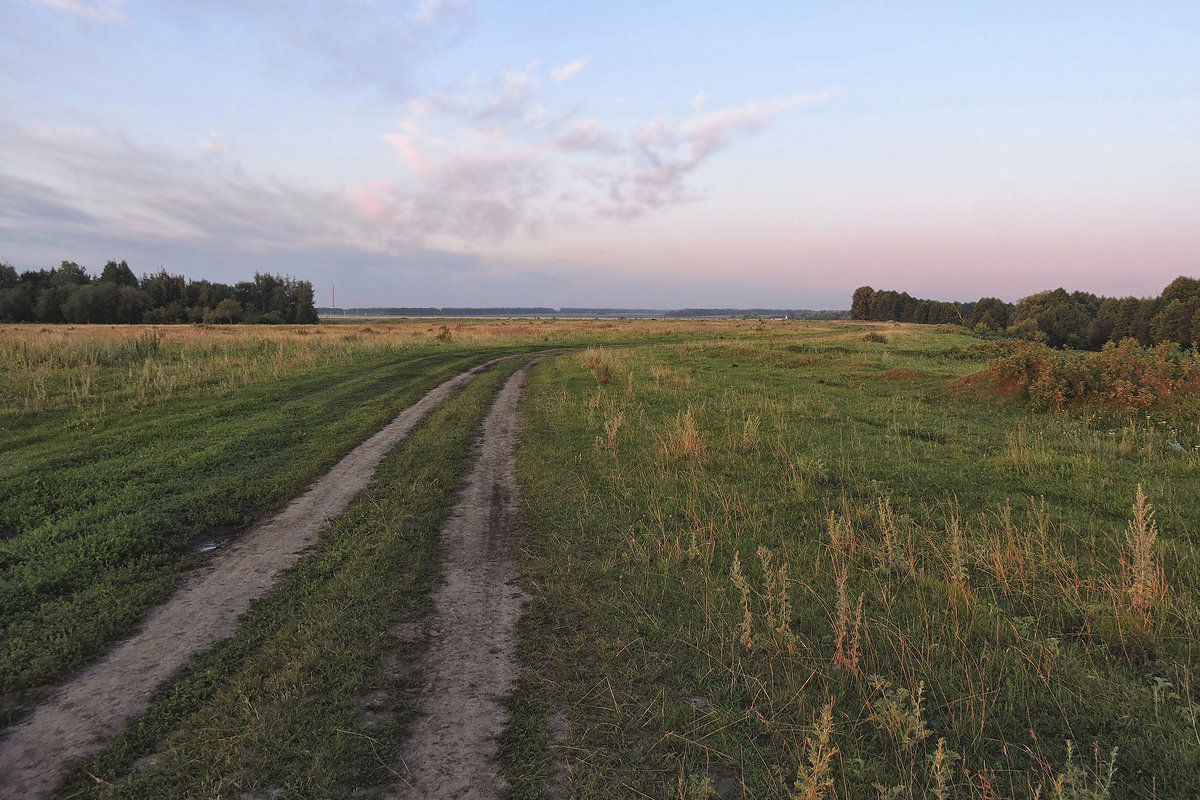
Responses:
[471,664]
[86,712]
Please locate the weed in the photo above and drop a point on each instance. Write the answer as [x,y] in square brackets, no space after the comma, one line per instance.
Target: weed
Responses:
[813,775]
[847,629]
[1146,582]
[779,609]
[746,626]
[611,426]
[900,712]
[1077,782]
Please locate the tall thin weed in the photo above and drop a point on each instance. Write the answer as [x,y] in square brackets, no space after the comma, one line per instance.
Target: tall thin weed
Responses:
[1145,576]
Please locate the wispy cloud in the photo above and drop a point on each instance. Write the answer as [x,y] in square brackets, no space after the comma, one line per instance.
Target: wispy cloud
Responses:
[589,135]
[512,95]
[500,163]
[711,132]
[114,187]
[95,10]
[478,167]
[568,71]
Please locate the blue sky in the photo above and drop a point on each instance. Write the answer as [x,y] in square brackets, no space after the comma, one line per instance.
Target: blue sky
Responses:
[459,152]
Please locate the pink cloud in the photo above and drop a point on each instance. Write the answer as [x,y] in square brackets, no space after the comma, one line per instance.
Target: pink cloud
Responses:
[568,71]
[711,132]
[589,135]
[374,203]
[410,151]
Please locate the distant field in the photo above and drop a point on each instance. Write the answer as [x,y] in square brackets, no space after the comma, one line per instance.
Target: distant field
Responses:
[767,559]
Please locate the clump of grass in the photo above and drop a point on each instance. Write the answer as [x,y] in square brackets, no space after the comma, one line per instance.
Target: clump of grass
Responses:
[599,362]
[750,436]
[612,426]
[683,438]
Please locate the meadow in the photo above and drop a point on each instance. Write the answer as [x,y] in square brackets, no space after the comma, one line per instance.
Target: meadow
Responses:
[766,558]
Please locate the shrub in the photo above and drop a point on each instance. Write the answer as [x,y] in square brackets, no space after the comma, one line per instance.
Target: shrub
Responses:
[1126,378]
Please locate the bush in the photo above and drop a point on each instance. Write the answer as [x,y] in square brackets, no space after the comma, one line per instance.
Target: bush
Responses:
[1126,378]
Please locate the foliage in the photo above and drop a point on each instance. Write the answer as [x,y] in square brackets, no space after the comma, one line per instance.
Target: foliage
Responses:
[1078,320]
[1124,378]
[885,305]
[68,294]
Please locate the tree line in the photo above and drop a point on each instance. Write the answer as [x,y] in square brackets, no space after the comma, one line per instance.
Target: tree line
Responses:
[1079,320]
[69,294]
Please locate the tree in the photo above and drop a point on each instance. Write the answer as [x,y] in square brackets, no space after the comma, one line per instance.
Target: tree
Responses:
[306,312]
[228,311]
[1061,317]
[163,289]
[1101,330]
[1143,320]
[8,276]
[16,305]
[1173,323]
[120,274]
[1124,322]
[992,313]
[860,303]
[70,273]
[1183,289]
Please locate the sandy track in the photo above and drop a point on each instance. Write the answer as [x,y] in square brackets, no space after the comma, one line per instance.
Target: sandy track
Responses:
[471,664]
[96,705]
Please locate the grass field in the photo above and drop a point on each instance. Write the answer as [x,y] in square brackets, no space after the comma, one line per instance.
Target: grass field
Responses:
[767,559]
[808,567]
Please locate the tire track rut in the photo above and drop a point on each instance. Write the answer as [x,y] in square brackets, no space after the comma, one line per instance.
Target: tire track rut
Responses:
[471,663]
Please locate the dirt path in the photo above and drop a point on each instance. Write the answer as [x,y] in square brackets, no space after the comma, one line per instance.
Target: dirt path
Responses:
[96,705]
[471,663]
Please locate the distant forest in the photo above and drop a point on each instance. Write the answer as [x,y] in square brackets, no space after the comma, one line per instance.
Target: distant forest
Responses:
[546,311]
[70,294]
[1078,320]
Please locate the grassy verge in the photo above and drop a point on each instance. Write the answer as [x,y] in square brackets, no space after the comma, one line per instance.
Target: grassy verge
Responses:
[803,567]
[99,510]
[312,696]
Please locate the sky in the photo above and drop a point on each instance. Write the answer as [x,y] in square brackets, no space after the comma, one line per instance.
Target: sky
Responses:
[631,154]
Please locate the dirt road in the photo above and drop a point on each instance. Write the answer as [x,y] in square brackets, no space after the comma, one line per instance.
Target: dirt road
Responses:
[471,663]
[96,705]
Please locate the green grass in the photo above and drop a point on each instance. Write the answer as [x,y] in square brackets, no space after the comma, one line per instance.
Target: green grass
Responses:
[726,530]
[313,695]
[994,581]
[98,517]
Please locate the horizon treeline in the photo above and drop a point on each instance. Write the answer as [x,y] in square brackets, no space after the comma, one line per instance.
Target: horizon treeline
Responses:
[68,294]
[1079,320]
